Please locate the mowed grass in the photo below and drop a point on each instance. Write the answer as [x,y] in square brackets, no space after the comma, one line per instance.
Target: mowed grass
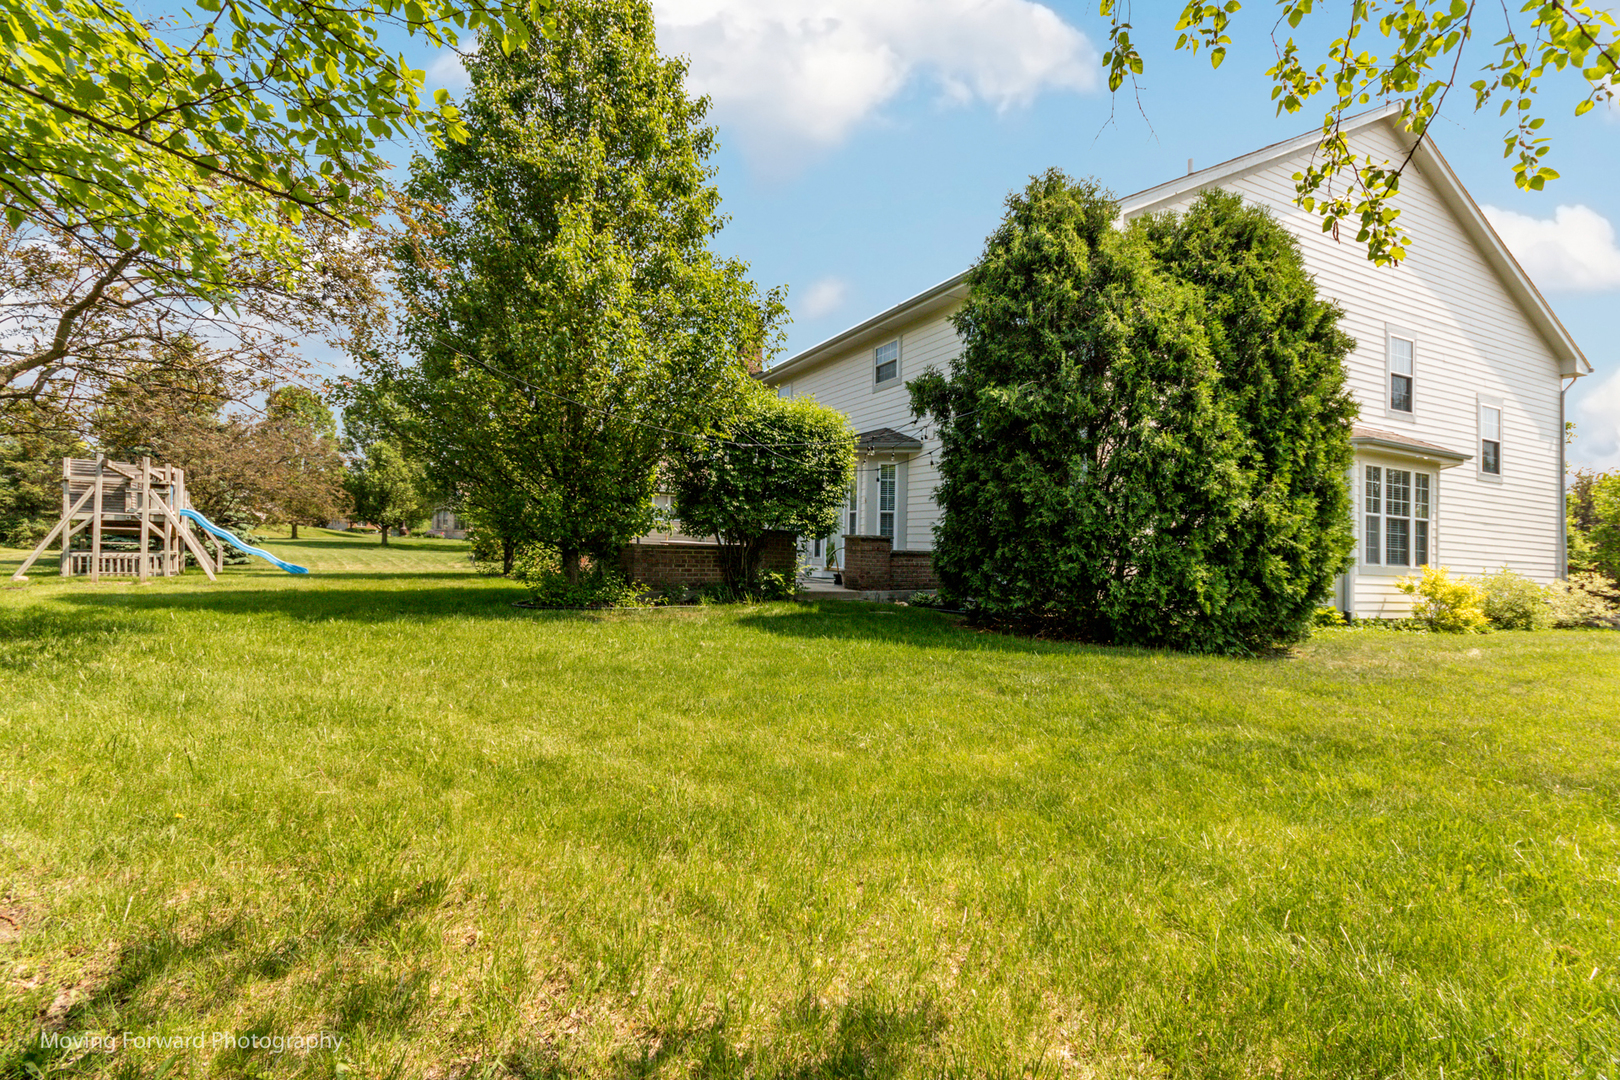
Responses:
[816,840]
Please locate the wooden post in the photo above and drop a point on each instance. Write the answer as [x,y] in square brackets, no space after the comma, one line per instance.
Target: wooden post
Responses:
[168,530]
[146,518]
[95,525]
[67,531]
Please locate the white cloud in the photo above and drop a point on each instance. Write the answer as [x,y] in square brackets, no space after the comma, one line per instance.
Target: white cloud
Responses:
[824,297]
[1597,423]
[446,71]
[791,76]
[1574,249]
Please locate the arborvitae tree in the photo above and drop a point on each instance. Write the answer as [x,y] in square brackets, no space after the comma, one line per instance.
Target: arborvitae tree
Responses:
[573,327]
[1101,471]
[1280,355]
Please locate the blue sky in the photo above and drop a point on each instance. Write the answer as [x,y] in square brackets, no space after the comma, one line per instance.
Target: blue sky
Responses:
[868,145]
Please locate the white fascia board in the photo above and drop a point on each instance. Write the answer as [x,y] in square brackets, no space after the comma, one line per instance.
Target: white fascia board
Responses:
[1572,362]
[1154,198]
[954,288]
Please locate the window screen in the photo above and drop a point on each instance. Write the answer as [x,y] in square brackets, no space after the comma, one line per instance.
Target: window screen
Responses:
[888,482]
[1490,440]
[1400,374]
[887,358]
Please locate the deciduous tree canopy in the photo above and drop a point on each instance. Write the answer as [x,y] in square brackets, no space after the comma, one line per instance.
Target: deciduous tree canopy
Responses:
[570,326]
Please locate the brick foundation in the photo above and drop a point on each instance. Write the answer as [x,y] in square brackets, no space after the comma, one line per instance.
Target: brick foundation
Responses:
[663,565]
[872,565]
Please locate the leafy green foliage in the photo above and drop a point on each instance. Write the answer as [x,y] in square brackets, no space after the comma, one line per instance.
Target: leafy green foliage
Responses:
[1514,602]
[387,488]
[599,587]
[784,466]
[573,329]
[1594,523]
[1585,599]
[1145,435]
[1426,40]
[203,135]
[1446,604]
[31,482]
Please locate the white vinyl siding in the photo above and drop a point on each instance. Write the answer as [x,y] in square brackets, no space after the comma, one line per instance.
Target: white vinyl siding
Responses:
[1469,340]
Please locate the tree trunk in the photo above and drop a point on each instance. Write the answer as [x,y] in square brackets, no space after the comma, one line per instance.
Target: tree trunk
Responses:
[385,535]
[295,530]
[508,553]
[570,563]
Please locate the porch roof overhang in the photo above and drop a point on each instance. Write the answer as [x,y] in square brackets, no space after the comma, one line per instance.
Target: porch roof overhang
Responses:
[880,440]
[1393,442]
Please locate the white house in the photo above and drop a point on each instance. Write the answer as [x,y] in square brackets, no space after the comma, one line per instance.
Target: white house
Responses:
[1460,370]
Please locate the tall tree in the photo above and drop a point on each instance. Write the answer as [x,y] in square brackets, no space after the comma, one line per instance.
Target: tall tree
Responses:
[573,328]
[1104,471]
[1535,44]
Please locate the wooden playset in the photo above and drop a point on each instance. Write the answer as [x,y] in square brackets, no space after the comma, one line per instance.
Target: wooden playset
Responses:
[114,498]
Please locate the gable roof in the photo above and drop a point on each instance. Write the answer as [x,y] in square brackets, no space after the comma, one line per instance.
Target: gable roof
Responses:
[1571,361]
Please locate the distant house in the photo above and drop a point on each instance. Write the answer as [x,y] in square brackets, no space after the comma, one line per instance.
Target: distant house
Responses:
[447,523]
[1460,370]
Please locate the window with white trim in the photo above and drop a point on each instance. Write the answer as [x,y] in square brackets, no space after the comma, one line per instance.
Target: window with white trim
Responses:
[888,485]
[851,509]
[1490,440]
[785,390]
[1395,517]
[1401,353]
[886,363]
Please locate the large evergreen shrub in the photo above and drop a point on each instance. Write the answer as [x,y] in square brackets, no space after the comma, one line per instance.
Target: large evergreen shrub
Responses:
[1146,434]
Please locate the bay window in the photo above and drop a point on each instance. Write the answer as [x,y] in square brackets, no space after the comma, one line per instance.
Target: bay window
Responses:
[1395,516]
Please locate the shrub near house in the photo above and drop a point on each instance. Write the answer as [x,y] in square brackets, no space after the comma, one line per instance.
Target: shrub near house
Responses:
[1146,432]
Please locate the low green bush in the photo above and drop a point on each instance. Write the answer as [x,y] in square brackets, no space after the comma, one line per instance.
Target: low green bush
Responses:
[1445,604]
[1327,618]
[1514,602]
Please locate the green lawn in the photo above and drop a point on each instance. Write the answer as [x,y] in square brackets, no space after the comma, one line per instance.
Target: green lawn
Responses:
[785,841]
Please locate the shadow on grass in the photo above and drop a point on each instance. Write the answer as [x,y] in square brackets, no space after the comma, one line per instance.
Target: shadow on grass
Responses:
[318,605]
[869,1036]
[829,620]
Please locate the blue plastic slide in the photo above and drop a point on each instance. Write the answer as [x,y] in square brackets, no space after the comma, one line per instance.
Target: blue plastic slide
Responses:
[220,534]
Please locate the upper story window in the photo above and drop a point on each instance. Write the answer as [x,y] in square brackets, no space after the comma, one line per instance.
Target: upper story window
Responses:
[1395,530]
[1490,438]
[886,363]
[1401,355]
[888,485]
[785,390]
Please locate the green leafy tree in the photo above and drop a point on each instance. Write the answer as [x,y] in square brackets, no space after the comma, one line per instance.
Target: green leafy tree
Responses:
[785,466]
[1412,52]
[301,433]
[1105,470]
[388,489]
[571,326]
[31,473]
[204,133]
[1603,532]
